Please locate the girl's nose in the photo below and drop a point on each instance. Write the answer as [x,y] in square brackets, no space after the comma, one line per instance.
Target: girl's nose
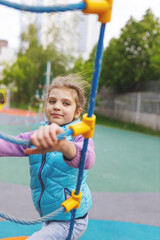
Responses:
[57,106]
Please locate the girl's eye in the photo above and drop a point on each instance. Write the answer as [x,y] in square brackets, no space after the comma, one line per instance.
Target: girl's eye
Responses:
[52,101]
[66,103]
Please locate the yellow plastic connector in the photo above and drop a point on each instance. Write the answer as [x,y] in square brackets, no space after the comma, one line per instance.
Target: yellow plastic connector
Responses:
[73,202]
[84,128]
[101,7]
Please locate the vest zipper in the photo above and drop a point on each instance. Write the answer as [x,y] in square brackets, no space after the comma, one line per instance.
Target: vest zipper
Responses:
[41,182]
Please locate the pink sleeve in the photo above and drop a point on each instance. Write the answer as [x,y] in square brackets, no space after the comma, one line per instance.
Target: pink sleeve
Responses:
[90,156]
[11,149]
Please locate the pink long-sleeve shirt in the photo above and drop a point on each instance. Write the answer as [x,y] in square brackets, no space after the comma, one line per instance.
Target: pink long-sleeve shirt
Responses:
[10,149]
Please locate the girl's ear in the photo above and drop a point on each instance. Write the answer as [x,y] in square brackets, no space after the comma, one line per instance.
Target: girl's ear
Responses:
[77,113]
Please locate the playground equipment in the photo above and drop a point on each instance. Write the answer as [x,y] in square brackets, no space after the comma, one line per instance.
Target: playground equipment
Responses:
[4,98]
[103,9]
[33,121]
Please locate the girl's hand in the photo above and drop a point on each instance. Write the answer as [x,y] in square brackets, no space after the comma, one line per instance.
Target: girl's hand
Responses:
[45,140]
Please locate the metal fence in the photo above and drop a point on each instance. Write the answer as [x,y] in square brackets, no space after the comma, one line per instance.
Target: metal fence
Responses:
[134,107]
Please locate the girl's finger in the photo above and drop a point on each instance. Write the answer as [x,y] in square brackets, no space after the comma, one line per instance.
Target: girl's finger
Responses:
[54,130]
[38,139]
[34,139]
[49,141]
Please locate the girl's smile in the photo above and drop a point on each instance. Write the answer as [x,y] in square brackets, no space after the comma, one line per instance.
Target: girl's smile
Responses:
[55,115]
[61,106]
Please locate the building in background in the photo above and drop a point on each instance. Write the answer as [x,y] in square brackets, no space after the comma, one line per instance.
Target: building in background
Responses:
[70,32]
[88,33]
[3,44]
[7,54]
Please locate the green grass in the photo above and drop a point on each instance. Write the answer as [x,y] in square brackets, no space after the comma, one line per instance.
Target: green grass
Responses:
[125,125]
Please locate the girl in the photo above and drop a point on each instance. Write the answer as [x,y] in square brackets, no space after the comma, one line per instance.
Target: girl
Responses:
[54,164]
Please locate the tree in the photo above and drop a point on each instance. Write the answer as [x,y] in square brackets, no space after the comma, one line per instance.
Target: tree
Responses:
[85,67]
[133,57]
[20,76]
[26,73]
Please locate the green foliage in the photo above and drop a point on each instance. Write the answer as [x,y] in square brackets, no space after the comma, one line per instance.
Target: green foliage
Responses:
[27,72]
[20,76]
[127,62]
[133,57]
[85,68]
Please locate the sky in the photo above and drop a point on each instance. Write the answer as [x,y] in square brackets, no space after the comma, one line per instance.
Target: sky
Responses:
[121,12]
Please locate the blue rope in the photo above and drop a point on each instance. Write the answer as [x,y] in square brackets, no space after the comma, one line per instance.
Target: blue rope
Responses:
[94,86]
[46,218]
[64,134]
[14,140]
[27,142]
[96,74]
[50,216]
[42,9]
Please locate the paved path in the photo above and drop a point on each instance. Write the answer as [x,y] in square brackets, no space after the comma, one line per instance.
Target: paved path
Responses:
[142,208]
[125,181]
[125,162]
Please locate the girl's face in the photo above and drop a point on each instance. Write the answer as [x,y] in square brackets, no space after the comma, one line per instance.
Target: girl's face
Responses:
[61,106]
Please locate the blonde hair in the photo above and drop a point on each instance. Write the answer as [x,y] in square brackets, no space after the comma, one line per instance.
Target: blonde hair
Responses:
[72,81]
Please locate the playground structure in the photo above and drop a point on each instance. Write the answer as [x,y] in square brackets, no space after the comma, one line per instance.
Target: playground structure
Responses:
[30,118]
[4,98]
[32,121]
[103,9]
[41,91]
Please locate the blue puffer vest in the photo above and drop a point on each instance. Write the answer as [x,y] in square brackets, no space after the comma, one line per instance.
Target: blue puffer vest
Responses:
[52,182]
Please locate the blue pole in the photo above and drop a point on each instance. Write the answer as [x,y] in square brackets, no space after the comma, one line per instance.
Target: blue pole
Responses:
[42,9]
[93,93]
[96,74]
[79,180]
